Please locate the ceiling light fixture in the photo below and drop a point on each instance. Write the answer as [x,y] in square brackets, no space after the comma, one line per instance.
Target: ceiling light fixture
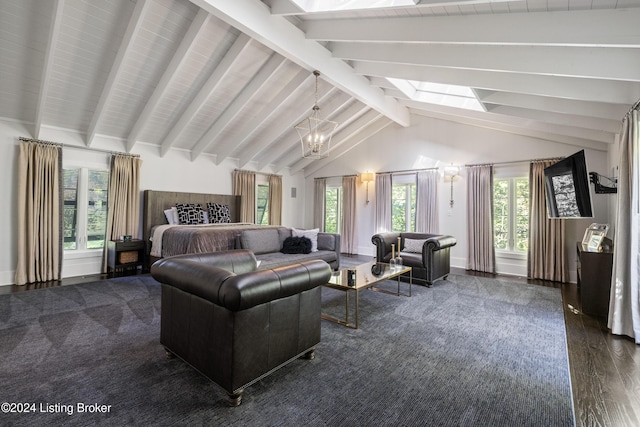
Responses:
[315,133]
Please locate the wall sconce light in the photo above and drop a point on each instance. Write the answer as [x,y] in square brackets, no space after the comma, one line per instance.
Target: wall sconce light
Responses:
[450,174]
[367,177]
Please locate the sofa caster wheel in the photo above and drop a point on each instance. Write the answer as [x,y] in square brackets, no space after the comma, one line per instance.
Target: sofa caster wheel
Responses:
[310,355]
[169,354]
[235,399]
[429,284]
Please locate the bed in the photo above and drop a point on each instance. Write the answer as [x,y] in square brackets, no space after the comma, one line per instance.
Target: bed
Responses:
[165,240]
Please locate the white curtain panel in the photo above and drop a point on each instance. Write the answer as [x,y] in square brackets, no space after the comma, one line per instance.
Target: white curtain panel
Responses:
[348,231]
[383,203]
[427,202]
[480,251]
[320,188]
[624,310]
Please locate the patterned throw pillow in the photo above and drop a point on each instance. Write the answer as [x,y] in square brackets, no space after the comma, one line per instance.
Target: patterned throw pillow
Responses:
[218,213]
[413,245]
[190,213]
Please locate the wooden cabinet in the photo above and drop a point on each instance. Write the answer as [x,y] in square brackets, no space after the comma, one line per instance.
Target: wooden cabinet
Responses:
[594,280]
[125,257]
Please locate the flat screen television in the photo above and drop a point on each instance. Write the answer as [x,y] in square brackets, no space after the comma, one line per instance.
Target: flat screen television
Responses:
[567,188]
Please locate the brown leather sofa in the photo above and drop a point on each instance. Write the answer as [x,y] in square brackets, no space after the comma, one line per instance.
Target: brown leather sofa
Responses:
[431,263]
[235,324]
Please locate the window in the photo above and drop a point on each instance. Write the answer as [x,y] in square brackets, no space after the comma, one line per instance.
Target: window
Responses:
[262,204]
[85,208]
[403,207]
[511,214]
[333,209]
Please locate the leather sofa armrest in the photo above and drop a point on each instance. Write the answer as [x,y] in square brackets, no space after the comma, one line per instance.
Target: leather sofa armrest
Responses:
[436,243]
[383,242]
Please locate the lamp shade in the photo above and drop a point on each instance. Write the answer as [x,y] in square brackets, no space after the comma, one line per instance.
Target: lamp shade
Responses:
[367,176]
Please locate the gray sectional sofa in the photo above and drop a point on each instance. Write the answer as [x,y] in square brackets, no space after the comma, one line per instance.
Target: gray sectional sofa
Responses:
[266,245]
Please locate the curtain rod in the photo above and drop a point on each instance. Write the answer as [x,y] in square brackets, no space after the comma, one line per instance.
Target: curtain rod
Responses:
[512,162]
[79,147]
[334,176]
[633,107]
[258,173]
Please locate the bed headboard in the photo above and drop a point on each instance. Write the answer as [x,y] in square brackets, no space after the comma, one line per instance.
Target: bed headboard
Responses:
[155,202]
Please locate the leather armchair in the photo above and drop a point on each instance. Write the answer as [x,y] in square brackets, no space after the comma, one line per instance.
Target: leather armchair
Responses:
[431,264]
[233,323]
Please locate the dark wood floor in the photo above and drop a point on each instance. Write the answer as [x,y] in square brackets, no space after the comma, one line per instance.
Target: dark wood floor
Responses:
[605,369]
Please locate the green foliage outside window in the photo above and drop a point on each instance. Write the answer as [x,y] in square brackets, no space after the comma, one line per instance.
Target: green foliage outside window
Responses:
[403,207]
[332,210]
[262,212]
[511,214]
[95,197]
[97,208]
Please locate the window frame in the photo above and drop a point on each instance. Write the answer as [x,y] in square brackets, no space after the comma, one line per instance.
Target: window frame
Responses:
[337,186]
[511,173]
[409,182]
[84,161]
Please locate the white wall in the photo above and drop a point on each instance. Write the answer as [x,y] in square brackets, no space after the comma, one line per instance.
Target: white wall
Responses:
[174,172]
[436,143]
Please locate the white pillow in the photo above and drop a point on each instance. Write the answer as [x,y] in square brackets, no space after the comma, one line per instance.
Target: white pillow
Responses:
[309,234]
[414,245]
[172,215]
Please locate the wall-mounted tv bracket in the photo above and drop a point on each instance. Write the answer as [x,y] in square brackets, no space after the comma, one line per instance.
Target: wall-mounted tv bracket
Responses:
[595,177]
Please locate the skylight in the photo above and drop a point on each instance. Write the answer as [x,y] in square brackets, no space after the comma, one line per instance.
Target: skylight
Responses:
[439,94]
[335,5]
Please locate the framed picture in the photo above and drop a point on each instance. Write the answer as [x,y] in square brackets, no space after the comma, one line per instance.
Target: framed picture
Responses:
[597,229]
[594,242]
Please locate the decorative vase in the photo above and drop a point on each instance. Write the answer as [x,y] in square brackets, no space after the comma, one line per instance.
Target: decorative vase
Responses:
[398,262]
[392,261]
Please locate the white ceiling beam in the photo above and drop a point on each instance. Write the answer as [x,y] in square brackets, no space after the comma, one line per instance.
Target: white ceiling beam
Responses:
[608,91]
[594,126]
[267,113]
[277,33]
[185,48]
[45,81]
[503,123]
[296,163]
[242,99]
[359,138]
[133,28]
[608,63]
[569,28]
[281,136]
[605,111]
[239,46]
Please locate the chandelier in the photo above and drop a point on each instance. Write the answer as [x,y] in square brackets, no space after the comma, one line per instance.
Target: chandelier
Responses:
[315,132]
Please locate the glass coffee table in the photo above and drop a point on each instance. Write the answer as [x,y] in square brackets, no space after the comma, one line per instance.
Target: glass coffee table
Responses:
[366,277]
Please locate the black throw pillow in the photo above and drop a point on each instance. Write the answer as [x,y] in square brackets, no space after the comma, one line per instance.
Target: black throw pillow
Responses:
[296,245]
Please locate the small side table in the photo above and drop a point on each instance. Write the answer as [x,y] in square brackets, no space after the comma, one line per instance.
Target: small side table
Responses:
[124,257]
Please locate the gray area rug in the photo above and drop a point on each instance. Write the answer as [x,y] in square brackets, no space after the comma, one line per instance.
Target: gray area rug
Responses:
[469,351]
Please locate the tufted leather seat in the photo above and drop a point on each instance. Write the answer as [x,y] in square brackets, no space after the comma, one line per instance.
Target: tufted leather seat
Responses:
[233,323]
[428,265]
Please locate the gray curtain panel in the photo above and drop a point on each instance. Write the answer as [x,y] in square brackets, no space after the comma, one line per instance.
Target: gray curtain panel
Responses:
[348,229]
[480,250]
[383,203]
[123,208]
[320,188]
[427,202]
[275,200]
[244,185]
[39,213]
[546,257]
[624,309]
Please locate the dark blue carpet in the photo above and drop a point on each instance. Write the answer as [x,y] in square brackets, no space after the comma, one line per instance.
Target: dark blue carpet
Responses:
[467,352]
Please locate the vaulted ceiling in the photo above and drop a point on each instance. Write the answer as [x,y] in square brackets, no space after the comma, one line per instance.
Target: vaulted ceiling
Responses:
[230,79]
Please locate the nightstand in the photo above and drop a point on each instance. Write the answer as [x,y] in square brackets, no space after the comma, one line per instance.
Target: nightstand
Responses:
[124,257]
